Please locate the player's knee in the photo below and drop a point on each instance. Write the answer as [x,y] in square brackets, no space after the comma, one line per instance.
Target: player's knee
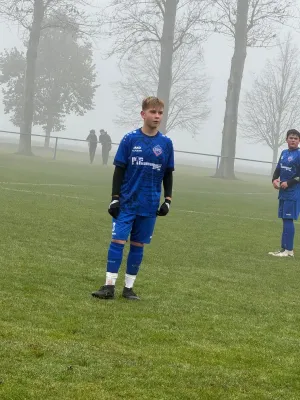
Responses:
[137,244]
[118,241]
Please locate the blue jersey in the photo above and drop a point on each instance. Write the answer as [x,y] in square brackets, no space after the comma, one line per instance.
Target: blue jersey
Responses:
[289,165]
[146,159]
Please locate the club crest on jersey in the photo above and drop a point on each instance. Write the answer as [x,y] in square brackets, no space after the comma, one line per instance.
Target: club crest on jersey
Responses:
[157,150]
[290,158]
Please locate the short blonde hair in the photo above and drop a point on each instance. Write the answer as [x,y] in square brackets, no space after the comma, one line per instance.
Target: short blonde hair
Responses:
[152,101]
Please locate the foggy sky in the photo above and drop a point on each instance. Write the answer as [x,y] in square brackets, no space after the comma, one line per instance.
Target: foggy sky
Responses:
[217,54]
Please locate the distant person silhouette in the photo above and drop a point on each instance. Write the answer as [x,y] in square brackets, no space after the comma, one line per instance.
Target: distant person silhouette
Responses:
[105,141]
[93,141]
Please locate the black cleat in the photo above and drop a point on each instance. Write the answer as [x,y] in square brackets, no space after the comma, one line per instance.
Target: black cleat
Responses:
[105,292]
[129,294]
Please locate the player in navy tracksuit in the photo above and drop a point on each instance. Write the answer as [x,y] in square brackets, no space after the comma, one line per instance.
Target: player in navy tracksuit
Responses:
[286,179]
[93,141]
[144,160]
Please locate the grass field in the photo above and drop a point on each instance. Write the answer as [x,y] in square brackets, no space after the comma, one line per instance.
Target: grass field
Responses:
[218,319]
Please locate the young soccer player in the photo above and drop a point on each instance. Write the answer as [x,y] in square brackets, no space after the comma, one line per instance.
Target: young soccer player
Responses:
[286,179]
[92,141]
[105,141]
[144,160]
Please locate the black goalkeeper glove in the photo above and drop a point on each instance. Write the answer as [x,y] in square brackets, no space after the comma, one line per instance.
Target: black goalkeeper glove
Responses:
[114,207]
[164,208]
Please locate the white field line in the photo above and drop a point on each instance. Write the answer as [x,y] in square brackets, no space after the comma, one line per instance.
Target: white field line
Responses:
[175,191]
[48,194]
[186,191]
[227,215]
[45,184]
[101,201]
[226,193]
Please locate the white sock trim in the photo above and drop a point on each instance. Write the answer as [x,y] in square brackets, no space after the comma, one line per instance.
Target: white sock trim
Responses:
[111,278]
[129,281]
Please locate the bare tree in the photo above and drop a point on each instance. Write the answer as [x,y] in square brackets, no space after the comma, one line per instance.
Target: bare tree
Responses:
[166,57]
[65,80]
[32,16]
[188,105]
[250,23]
[272,106]
[170,24]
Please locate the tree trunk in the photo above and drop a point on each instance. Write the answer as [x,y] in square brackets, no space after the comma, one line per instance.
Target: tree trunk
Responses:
[226,168]
[166,59]
[48,130]
[52,110]
[29,85]
[275,158]
[47,139]
[275,152]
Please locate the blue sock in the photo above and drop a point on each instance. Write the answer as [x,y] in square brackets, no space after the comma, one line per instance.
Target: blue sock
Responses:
[114,257]
[134,259]
[288,233]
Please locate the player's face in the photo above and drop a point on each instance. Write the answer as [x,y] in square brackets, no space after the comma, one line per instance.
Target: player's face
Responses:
[152,117]
[293,141]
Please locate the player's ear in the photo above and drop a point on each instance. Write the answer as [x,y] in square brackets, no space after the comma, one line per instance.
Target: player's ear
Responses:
[143,114]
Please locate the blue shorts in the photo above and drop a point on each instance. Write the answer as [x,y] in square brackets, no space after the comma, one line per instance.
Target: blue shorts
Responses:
[140,228]
[288,209]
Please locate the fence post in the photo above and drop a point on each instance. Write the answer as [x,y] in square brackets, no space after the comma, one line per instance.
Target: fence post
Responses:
[55,148]
[218,163]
